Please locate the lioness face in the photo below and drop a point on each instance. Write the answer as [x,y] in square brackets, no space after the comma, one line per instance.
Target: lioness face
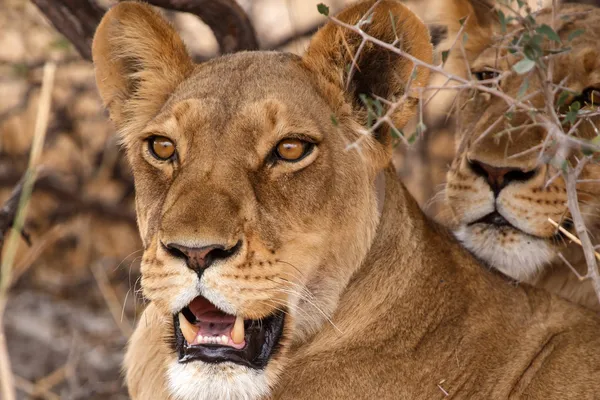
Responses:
[238,222]
[497,187]
[253,211]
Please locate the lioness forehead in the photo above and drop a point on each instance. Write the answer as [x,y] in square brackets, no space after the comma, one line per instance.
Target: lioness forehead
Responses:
[238,79]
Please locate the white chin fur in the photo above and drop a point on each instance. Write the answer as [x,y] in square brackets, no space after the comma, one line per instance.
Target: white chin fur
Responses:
[199,381]
[520,260]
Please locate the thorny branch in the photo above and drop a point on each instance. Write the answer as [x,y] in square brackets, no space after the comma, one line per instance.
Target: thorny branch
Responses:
[547,117]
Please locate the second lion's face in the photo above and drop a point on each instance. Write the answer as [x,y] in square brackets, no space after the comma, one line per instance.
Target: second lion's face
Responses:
[502,186]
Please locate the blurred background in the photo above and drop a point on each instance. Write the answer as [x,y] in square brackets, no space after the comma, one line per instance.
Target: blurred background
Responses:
[74,297]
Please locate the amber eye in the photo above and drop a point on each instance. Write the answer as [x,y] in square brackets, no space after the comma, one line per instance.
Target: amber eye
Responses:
[293,149]
[591,97]
[485,75]
[161,147]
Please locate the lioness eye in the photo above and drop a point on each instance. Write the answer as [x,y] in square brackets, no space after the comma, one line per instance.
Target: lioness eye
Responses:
[485,75]
[292,149]
[161,147]
[591,97]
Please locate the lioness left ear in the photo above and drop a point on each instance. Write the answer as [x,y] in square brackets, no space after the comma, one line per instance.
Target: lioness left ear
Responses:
[376,71]
[139,61]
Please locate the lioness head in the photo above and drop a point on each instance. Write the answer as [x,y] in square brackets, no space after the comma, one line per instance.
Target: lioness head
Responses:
[500,188]
[254,206]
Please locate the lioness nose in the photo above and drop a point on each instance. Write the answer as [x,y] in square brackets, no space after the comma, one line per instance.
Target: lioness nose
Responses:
[499,177]
[200,258]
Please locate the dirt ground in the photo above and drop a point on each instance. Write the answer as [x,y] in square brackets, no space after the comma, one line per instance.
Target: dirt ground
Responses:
[75,299]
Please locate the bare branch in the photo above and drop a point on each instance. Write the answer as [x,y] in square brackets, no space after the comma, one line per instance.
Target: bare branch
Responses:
[77,21]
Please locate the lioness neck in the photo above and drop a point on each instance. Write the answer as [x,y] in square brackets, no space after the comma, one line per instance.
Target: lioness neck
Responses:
[400,271]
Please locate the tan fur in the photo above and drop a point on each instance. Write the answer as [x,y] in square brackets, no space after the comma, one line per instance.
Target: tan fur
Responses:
[377,306]
[532,250]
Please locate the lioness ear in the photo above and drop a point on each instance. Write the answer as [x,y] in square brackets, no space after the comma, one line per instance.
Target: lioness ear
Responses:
[139,60]
[361,69]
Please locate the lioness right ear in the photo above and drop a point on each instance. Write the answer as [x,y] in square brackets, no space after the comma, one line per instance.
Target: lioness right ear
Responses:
[139,60]
[355,69]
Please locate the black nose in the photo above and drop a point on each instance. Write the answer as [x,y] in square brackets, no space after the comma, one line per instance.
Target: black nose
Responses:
[200,258]
[500,177]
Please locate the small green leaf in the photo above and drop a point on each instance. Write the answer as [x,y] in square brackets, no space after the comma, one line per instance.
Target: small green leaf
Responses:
[571,115]
[562,98]
[509,115]
[575,33]
[334,120]
[462,21]
[323,9]
[523,66]
[503,22]
[548,32]
[396,133]
[61,44]
[393,21]
[378,107]
[465,38]
[587,151]
[445,55]
[523,88]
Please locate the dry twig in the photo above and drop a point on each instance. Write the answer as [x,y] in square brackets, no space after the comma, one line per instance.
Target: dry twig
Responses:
[77,21]
[8,251]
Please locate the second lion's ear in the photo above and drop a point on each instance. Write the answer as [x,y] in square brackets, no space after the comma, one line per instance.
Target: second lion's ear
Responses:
[139,60]
[360,69]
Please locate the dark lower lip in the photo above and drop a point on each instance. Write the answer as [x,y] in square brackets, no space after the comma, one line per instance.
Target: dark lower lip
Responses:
[498,221]
[262,342]
[493,218]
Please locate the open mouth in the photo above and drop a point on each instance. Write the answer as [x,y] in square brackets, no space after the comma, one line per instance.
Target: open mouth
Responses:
[205,333]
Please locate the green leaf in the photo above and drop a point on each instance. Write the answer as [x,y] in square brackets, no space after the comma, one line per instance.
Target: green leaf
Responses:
[396,133]
[571,115]
[523,66]
[503,22]
[562,98]
[462,21]
[548,32]
[575,33]
[509,115]
[445,55]
[61,44]
[523,88]
[465,38]
[378,107]
[323,9]
[393,21]
[334,120]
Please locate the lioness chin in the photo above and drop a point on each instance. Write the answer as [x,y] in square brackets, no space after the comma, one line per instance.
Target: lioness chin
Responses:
[282,258]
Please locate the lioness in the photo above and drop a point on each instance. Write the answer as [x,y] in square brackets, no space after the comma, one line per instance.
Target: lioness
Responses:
[282,258]
[496,187]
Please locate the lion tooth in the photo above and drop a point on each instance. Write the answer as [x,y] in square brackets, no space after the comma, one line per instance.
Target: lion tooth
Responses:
[189,331]
[224,339]
[237,333]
